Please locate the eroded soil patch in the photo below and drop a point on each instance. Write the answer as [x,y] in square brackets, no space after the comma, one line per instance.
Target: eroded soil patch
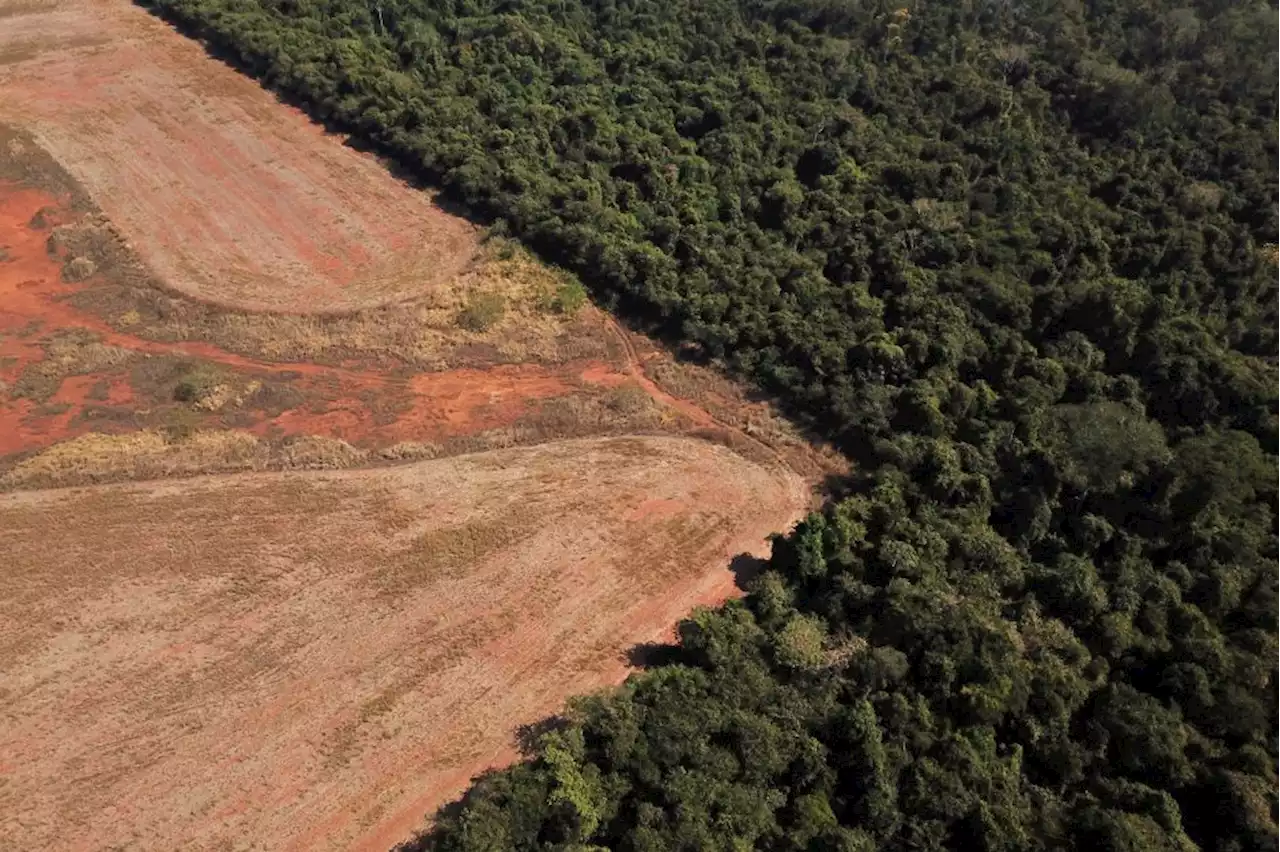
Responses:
[68,371]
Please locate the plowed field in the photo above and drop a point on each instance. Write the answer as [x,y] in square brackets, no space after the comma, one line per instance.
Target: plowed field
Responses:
[318,660]
[228,195]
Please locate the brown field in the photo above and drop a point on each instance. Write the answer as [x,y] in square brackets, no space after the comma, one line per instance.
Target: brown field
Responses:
[346,491]
[316,660]
[228,196]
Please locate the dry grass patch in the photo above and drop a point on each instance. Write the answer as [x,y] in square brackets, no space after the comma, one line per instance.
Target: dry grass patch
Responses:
[90,239]
[313,452]
[724,399]
[138,455]
[579,415]
[508,306]
[451,551]
[184,447]
[69,352]
[78,269]
[728,402]
[176,452]
[23,161]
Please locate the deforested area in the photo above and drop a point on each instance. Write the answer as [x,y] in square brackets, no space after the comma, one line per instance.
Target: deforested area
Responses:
[1018,259]
[312,495]
[297,660]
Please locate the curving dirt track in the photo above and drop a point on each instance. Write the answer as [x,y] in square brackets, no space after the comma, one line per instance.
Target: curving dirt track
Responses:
[228,195]
[318,660]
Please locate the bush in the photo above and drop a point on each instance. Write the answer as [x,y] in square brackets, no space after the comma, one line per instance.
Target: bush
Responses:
[483,311]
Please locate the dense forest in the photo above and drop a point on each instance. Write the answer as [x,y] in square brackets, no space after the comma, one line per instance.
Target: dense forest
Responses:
[1017,258]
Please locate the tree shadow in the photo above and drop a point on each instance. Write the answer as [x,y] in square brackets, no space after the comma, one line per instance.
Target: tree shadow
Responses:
[653,655]
[745,568]
[427,840]
[528,736]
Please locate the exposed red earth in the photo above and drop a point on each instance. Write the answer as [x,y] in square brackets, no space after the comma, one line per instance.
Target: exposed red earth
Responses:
[335,401]
[307,659]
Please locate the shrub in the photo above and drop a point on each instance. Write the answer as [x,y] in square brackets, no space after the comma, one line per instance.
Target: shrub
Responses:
[482,311]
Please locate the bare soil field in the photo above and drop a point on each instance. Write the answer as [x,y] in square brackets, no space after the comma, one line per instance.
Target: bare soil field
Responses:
[317,660]
[229,196]
[384,491]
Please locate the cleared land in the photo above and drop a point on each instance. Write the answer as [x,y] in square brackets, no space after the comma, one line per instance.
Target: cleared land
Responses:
[299,660]
[285,659]
[87,364]
[317,660]
[229,196]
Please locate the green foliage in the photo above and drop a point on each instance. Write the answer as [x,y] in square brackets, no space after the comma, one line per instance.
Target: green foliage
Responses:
[568,297]
[197,383]
[576,791]
[483,310]
[1102,444]
[799,645]
[1017,259]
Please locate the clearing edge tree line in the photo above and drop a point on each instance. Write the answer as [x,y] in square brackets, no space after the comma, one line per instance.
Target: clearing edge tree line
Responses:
[1017,259]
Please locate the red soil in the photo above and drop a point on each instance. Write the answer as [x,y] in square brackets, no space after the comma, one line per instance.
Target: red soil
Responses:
[338,400]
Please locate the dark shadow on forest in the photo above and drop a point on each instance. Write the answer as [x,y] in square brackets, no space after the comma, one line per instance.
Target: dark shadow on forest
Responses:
[746,568]
[653,655]
[528,736]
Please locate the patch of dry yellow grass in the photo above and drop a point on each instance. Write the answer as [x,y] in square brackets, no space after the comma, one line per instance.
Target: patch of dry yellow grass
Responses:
[73,352]
[154,454]
[179,451]
[137,455]
[425,332]
[535,324]
[315,452]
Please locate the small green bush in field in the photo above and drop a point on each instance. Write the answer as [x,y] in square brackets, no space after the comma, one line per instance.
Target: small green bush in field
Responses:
[567,298]
[196,383]
[570,297]
[482,311]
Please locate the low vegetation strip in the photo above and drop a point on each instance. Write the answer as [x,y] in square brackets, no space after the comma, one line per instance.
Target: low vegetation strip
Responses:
[318,660]
[1018,259]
